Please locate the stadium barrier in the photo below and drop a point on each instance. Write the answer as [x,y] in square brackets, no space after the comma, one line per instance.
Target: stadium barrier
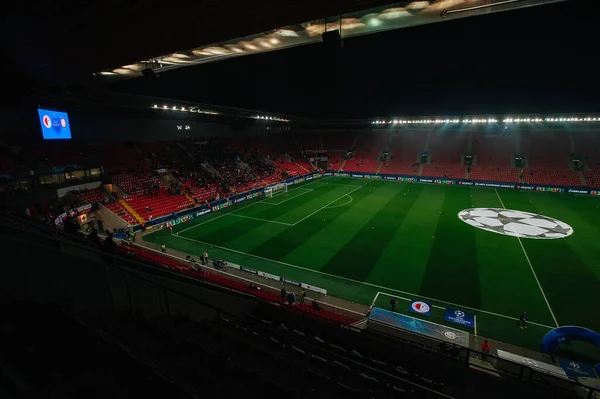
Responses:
[265,286]
[465,182]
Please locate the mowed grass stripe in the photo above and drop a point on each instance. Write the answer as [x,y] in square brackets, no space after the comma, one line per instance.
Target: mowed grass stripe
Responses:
[341,224]
[569,285]
[583,214]
[279,246]
[357,258]
[400,264]
[452,273]
[507,284]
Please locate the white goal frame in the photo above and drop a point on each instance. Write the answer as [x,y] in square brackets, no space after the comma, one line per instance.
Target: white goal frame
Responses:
[276,189]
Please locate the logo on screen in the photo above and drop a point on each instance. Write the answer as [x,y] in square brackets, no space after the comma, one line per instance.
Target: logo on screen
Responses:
[47,121]
[63,122]
[450,335]
[459,313]
[574,365]
[420,307]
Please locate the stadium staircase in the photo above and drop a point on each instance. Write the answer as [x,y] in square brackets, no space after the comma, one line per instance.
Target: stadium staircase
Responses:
[582,178]
[342,165]
[132,211]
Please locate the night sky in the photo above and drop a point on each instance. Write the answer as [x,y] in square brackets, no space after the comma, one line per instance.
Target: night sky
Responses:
[535,60]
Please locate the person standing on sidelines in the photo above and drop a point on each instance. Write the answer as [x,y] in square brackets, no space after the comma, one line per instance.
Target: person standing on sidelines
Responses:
[302,295]
[393,303]
[523,320]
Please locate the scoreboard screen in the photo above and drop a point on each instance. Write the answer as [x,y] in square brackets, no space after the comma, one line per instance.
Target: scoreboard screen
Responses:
[55,124]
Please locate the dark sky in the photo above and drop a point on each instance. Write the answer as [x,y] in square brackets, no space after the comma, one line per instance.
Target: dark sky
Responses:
[535,60]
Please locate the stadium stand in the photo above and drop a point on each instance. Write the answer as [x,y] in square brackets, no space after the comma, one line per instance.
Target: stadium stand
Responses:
[57,356]
[493,157]
[552,176]
[6,164]
[405,150]
[587,146]
[93,195]
[497,173]
[121,212]
[445,151]
[368,147]
[546,149]
[148,196]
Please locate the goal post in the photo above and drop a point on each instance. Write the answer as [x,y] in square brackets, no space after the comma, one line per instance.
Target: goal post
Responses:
[276,189]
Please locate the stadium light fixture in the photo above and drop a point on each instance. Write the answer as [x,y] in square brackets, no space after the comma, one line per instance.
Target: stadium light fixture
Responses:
[183,109]
[164,107]
[155,106]
[174,108]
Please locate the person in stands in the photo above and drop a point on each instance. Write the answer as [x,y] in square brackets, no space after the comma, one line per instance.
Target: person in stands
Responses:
[283,294]
[485,349]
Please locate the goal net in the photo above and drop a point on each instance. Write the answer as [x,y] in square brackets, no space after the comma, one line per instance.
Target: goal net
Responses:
[276,189]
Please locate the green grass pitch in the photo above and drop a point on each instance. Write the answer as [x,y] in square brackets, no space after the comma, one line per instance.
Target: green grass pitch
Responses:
[358,238]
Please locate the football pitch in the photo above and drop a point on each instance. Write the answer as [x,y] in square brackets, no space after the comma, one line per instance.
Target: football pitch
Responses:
[368,240]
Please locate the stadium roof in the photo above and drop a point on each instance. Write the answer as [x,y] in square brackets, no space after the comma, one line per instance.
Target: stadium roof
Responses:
[372,20]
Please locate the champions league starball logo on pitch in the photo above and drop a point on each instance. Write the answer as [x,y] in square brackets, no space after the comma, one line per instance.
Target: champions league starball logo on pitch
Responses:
[515,223]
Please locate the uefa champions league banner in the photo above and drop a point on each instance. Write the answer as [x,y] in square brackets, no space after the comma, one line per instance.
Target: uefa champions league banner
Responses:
[461,182]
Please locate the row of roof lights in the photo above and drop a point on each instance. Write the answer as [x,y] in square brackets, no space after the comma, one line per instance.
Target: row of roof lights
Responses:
[507,120]
[270,118]
[184,109]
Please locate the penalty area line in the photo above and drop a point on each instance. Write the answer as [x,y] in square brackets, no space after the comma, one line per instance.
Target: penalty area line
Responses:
[361,282]
[531,267]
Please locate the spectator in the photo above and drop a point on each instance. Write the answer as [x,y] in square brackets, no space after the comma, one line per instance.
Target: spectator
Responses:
[315,305]
[283,295]
[291,298]
[204,258]
[94,238]
[485,348]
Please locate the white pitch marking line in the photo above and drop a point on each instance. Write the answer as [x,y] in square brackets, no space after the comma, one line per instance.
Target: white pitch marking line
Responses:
[359,282]
[475,322]
[344,204]
[243,207]
[531,267]
[307,190]
[323,207]
[262,220]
